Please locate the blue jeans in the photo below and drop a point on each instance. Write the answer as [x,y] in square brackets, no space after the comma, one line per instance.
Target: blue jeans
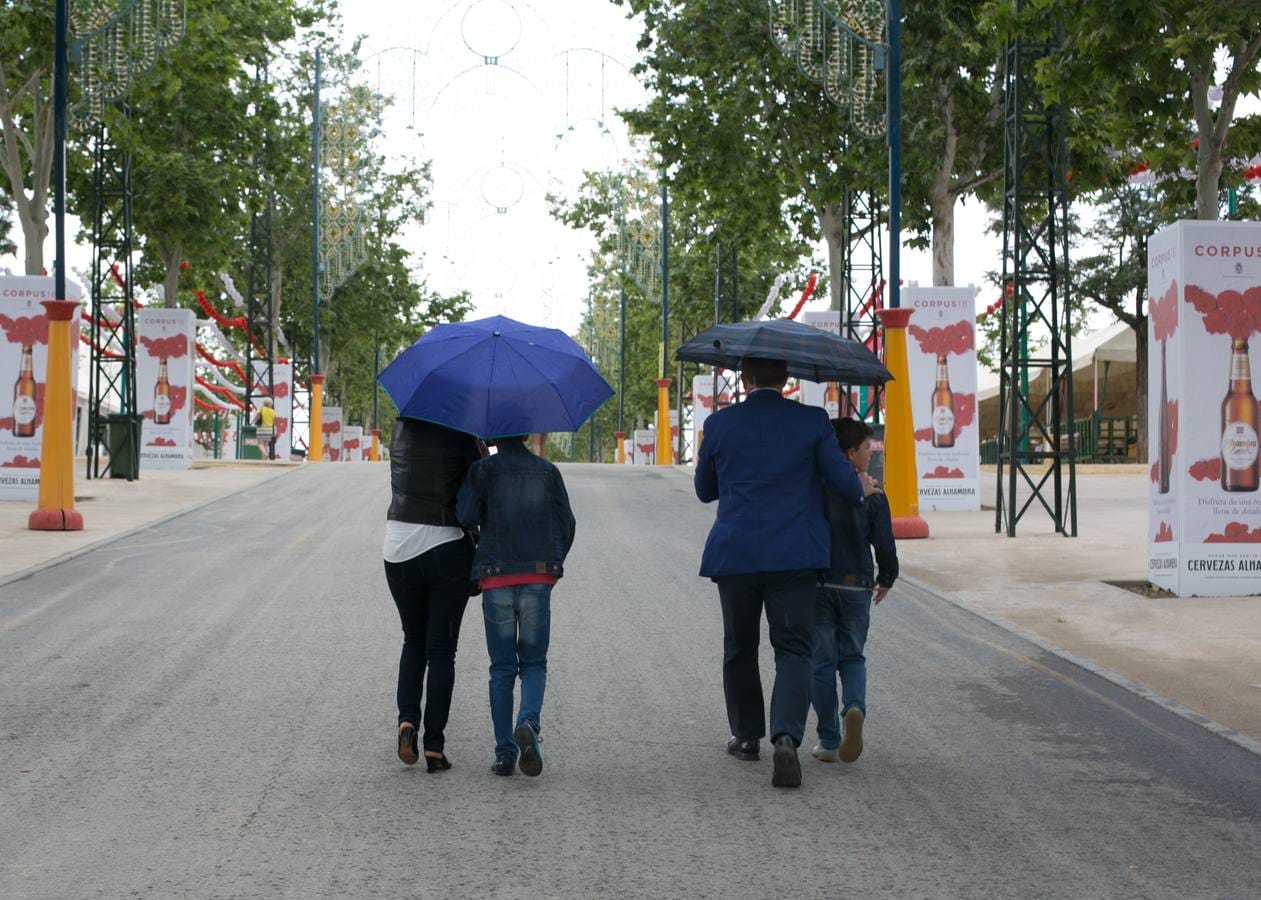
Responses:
[518,628]
[841,619]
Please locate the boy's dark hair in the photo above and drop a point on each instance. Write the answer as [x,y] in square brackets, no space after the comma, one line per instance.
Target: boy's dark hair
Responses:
[507,439]
[850,433]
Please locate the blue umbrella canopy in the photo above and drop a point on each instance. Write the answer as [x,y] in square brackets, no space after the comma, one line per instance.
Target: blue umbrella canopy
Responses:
[496,377]
[811,353]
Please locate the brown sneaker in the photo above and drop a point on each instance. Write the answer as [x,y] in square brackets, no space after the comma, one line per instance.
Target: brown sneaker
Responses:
[852,742]
[407,749]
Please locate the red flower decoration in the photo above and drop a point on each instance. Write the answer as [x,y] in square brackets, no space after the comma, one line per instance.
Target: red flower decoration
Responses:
[21,462]
[944,472]
[1236,533]
[1206,469]
[1230,312]
[1164,534]
[944,340]
[26,329]
[161,442]
[1164,313]
[172,347]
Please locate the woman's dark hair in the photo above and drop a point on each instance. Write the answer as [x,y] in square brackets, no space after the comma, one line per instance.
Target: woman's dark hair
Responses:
[850,433]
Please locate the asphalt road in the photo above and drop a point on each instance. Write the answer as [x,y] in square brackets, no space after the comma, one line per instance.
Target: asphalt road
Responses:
[206,709]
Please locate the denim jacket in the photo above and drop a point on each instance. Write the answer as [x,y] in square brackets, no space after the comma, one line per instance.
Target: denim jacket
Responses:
[856,531]
[519,503]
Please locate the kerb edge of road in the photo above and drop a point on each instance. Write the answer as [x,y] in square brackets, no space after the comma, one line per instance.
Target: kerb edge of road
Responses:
[122,535]
[1222,731]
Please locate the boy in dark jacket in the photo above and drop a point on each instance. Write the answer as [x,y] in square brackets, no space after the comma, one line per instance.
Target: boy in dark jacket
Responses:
[519,503]
[842,608]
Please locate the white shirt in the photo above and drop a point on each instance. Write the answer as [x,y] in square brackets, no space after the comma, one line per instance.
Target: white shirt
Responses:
[406,540]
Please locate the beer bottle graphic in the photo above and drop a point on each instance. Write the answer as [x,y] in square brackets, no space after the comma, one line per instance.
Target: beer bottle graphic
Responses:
[1164,462]
[1239,424]
[162,396]
[24,396]
[943,407]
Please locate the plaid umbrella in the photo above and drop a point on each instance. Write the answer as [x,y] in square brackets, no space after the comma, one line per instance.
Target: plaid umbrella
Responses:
[811,353]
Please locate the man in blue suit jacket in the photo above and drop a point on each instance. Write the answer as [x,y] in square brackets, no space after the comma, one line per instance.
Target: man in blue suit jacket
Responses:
[767,461]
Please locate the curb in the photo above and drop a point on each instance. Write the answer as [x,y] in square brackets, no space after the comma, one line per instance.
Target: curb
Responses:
[1182,712]
[106,541]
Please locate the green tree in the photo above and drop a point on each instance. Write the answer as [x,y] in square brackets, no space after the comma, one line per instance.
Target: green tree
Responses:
[26,119]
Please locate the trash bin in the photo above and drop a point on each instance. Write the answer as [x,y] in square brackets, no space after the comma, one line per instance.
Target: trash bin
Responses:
[249,443]
[123,439]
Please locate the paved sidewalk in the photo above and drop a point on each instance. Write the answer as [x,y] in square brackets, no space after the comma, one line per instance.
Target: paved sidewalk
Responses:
[1203,653]
[112,507]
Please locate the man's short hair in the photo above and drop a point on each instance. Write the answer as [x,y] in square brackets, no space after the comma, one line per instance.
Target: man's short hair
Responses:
[765,372]
[850,433]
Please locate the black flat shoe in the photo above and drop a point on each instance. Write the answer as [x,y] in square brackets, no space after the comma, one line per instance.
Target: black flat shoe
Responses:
[437,763]
[745,750]
[407,750]
[787,771]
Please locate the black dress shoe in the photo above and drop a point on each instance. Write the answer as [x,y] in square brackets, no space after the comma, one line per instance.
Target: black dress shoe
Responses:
[787,771]
[745,750]
[437,763]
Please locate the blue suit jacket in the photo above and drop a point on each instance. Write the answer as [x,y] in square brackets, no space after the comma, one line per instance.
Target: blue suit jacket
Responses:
[766,462]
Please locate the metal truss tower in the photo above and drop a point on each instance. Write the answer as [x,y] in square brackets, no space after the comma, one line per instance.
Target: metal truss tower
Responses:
[112,379]
[863,273]
[1036,453]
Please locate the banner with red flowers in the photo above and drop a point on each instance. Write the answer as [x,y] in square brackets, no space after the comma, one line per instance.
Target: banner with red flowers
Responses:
[703,405]
[826,396]
[164,378]
[352,443]
[941,359]
[1204,494]
[281,398]
[645,447]
[333,434]
[23,373]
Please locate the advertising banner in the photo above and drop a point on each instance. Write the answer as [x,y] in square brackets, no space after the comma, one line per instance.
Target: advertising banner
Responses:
[352,443]
[628,451]
[164,375]
[941,361]
[281,398]
[703,404]
[332,433]
[23,374]
[827,396]
[1204,312]
[645,446]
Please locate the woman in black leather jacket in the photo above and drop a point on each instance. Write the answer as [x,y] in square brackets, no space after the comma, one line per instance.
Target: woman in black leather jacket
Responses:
[427,561]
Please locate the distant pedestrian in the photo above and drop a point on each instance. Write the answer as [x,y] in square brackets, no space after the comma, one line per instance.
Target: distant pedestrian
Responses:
[519,503]
[767,461]
[842,607]
[427,560]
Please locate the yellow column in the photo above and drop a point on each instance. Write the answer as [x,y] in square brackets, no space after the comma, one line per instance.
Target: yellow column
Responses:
[315,441]
[664,452]
[374,453]
[55,510]
[901,480]
[621,448]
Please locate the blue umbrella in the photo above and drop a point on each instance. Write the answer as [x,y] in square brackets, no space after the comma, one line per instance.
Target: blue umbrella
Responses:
[496,377]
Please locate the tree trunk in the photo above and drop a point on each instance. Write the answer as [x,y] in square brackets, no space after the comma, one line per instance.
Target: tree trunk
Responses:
[830,221]
[1140,387]
[34,232]
[171,278]
[942,205]
[1208,179]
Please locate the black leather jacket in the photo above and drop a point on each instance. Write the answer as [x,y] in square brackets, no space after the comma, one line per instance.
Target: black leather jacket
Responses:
[427,466]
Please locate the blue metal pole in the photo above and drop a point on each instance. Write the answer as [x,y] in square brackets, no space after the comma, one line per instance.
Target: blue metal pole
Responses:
[895,153]
[665,272]
[315,219]
[60,95]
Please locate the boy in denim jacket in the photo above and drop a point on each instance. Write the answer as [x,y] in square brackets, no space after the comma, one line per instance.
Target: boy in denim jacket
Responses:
[842,610]
[519,503]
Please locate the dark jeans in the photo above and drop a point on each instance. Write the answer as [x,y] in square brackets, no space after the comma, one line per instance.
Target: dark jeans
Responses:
[789,601]
[430,591]
[841,620]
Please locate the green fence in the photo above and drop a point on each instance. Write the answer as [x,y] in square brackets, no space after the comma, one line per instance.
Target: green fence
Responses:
[1099,439]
